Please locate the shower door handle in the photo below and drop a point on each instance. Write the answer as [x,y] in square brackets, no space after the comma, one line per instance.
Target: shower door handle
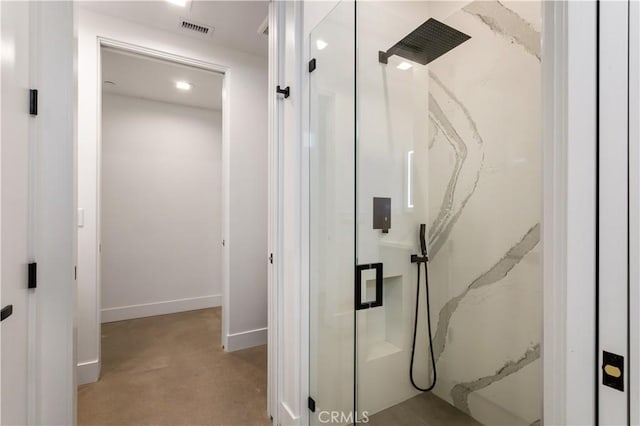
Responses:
[378,300]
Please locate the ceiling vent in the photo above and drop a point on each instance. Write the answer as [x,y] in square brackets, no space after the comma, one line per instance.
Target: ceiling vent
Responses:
[194,28]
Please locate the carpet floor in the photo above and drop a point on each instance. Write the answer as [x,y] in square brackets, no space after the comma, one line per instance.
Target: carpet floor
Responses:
[171,370]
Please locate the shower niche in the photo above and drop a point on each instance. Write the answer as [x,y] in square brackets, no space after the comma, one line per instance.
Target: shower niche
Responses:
[383,333]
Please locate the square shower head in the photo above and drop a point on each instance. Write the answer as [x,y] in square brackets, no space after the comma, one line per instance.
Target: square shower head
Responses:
[429,41]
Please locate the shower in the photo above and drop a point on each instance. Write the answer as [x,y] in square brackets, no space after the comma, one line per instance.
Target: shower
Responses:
[423,45]
[426,43]
[420,260]
[414,108]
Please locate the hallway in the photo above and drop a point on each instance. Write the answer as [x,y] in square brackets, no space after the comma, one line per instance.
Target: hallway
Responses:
[171,369]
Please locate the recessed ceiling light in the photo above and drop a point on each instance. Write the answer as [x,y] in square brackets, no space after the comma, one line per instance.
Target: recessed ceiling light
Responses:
[321,44]
[404,66]
[181,3]
[183,85]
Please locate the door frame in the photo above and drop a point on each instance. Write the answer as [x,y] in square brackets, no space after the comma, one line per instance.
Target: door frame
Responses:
[108,42]
[569,222]
[617,208]
[634,210]
[274,235]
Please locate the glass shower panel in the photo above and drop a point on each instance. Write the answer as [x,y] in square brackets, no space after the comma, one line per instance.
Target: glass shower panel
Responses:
[332,212]
[392,103]
[448,135]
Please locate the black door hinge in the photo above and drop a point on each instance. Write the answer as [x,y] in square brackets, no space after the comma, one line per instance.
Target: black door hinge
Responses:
[312,405]
[271,258]
[32,276]
[33,101]
[284,91]
[312,65]
[75,273]
[6,312]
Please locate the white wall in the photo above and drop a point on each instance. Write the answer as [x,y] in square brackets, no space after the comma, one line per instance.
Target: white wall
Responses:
[161,207]
[244,151]
[497,147]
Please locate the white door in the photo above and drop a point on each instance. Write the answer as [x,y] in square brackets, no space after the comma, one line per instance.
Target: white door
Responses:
[14,201]
[613,214]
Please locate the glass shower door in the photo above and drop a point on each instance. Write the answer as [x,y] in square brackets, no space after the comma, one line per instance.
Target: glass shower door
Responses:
[332,213]
[425,136]
[392,188]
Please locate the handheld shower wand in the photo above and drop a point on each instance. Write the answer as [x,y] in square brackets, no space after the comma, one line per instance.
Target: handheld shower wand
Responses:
[419,260]
[423,241]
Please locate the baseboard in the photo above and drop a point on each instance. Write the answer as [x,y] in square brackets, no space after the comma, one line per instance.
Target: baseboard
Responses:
[286,415]
[246,339]
[160,308]
[88,372]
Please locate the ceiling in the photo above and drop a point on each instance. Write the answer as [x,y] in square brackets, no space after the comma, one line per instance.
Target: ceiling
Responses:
[155,79]
[235,23]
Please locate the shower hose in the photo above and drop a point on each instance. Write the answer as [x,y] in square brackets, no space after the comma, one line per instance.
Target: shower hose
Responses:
[415,330]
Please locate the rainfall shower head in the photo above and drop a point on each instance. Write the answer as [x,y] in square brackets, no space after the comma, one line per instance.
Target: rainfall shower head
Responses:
[429,41]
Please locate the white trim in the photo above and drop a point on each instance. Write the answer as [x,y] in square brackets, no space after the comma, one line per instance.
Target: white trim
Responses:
[35,71]
[142,310]
[279,32]
[274,237]
[292,310]
[554,65]
[569,199]
[1,231]
[634,211]
[158,54]
[88,372]
[304,343]
[55,207]
[246,339]
[226,202]
[613,202]
[288,417]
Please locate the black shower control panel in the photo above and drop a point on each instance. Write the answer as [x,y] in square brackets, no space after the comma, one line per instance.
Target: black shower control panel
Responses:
[382,214]
[613,370]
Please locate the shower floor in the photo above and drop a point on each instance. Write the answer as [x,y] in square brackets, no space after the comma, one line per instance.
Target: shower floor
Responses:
[425,409]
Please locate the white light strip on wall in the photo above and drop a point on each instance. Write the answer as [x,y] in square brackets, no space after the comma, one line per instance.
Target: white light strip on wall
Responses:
[409,179]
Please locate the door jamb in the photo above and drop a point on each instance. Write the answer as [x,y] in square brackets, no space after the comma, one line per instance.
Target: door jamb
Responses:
[274,222]
[634,211]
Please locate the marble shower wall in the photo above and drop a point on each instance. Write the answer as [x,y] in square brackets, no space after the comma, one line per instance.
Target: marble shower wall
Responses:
[484,213]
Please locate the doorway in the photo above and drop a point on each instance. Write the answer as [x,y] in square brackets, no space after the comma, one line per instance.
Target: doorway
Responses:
[160,187]
[160,245]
